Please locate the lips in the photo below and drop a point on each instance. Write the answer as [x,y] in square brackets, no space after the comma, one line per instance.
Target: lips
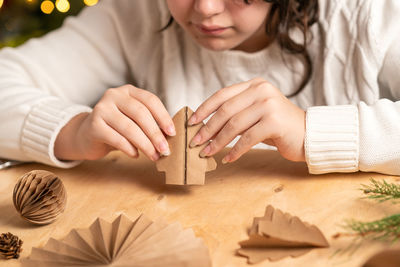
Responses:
[211,29]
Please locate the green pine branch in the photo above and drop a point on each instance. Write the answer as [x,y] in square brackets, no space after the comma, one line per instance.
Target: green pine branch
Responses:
[382,191]
[386,229]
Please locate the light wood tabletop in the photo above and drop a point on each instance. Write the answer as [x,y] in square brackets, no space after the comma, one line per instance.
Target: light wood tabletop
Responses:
[220,211]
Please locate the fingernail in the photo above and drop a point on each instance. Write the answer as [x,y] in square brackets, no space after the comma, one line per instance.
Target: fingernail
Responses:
[164,149]
[192,120]
[171,130]
[155,156]
[205,151]
[195,141]
[226,159]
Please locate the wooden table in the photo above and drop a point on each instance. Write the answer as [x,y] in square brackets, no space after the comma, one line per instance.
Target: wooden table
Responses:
[220,211]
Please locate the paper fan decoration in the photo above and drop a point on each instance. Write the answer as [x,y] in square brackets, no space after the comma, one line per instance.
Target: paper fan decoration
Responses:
[40,197]
[184,165]
[124,243]
[278,235]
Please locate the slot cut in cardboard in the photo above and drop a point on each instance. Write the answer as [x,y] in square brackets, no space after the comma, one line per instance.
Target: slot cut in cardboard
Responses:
[184,166]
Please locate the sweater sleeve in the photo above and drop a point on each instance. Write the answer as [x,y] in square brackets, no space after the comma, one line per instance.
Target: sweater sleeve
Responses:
[49,80]
[380,122]
[363,137]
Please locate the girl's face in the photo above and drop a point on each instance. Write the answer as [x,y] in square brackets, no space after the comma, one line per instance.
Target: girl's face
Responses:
[223,24]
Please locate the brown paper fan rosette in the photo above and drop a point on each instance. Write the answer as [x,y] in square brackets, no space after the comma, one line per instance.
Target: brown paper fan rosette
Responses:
[40,197]
[121,243]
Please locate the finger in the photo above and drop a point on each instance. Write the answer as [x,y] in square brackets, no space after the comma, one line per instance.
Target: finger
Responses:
[239,123]
[132,132]
[225,112]
[215,135]
[138,112]
[156,108]
[251,137]
[112,138]
[269,142]
[217,99]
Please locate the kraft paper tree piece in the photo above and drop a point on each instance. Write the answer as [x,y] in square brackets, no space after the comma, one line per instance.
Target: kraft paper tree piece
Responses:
[278,235]
[184,165]
[40,197]
[124,243]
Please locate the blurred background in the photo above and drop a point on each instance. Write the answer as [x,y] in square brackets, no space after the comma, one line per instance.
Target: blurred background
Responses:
[24,19]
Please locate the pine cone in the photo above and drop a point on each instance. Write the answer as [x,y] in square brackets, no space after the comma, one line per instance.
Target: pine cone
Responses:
[10,246]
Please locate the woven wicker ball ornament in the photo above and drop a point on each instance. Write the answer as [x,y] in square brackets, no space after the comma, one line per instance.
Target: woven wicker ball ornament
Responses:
[40,197]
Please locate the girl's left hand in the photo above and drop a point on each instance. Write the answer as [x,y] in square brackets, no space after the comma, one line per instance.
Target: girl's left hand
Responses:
[258,112]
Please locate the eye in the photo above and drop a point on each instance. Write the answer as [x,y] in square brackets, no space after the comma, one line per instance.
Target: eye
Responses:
[243,2]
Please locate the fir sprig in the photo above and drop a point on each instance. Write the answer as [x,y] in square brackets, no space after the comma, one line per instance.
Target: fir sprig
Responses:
[386,229]
[382,191]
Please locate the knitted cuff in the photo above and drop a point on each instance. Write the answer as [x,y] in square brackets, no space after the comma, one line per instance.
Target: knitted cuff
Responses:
[332,139]
[42,126]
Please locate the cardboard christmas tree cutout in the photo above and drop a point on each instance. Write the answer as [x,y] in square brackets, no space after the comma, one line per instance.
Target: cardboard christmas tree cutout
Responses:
[278,235]
[184,165]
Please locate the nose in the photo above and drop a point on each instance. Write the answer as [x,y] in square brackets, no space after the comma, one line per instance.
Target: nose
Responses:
[209,8]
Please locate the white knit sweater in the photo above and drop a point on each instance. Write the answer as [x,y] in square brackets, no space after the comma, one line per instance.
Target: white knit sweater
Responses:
[353,121]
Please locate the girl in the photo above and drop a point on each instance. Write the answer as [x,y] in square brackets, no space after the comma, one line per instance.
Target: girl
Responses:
[317,79]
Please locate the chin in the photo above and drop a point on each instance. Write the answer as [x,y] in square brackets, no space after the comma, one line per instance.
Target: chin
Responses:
[216,45]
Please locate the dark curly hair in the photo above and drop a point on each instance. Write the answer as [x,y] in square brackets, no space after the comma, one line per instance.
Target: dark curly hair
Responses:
[284,16]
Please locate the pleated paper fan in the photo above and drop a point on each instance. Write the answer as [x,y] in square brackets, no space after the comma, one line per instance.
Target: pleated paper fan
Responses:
[121,243]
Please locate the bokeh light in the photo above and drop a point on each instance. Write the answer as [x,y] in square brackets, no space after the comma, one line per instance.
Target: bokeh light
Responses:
[90,2]
[47,7]
[62,5]
[21,20]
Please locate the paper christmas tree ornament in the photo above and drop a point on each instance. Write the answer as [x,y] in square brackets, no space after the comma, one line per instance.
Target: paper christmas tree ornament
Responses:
[184,165]
[40,197]
[124,243]
[278,235]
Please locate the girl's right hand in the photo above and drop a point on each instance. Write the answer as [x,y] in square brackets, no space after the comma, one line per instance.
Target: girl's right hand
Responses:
[126,118]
